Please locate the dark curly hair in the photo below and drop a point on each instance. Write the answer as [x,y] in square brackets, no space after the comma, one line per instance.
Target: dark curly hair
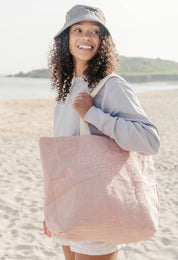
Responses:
[61,67]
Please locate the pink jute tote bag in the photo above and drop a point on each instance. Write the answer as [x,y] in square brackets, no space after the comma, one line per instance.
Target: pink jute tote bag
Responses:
[94,190]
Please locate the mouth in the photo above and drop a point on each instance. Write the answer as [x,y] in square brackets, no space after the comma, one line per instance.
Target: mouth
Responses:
[85,47]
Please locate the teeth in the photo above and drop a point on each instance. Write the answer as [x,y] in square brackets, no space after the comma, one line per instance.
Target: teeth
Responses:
[85,47]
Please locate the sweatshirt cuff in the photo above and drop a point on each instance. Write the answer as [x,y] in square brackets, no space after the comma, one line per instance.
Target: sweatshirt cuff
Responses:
[94,116]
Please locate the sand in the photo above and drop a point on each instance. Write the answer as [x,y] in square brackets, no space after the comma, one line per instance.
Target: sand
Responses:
[21,185]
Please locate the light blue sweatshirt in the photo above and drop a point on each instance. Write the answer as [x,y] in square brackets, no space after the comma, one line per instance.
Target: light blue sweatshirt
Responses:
[116,113]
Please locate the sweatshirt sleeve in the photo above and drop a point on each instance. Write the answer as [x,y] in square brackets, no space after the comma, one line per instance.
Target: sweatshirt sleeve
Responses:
[122,118]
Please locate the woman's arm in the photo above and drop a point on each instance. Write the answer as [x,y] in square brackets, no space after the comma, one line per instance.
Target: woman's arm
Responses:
[122,118]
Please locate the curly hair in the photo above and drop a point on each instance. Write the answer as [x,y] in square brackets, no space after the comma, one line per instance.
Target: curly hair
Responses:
[61,67]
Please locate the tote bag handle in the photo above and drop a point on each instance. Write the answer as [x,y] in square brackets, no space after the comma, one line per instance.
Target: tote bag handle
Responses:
[84,128]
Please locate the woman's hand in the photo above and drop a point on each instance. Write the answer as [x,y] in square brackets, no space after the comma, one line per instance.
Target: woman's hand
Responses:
[82,103]
[46,231]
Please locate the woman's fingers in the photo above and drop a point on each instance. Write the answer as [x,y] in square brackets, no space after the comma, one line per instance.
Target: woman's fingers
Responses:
[82,96]
[82,103]
[46,231]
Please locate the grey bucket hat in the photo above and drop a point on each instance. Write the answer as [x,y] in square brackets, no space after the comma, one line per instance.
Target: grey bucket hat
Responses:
[80,13]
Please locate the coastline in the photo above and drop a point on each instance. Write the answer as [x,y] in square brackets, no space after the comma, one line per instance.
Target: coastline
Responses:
[36,88]
[21,204]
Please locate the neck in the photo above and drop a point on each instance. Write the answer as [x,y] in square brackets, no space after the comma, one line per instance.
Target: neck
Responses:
[79,68]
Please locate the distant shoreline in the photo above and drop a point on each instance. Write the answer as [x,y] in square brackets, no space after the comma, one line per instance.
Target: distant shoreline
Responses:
[17,88]
[132,69]
[147,78]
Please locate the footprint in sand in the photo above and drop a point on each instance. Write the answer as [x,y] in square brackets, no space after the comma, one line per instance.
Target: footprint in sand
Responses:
[165,241]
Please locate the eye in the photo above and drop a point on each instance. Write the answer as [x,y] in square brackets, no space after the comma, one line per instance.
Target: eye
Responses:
[77,30]
[95,32]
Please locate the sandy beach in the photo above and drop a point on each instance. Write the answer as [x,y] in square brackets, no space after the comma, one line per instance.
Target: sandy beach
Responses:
[23,121]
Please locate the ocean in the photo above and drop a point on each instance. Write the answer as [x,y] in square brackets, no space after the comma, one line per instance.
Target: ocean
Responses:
[24,88]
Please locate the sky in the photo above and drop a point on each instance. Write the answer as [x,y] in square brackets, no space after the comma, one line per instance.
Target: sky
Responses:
[140,28]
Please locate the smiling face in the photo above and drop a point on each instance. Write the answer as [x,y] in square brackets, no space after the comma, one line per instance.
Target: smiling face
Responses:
[84,41]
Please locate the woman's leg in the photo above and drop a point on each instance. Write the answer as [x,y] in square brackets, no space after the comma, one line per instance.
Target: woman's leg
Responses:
[112,256]
[69,255]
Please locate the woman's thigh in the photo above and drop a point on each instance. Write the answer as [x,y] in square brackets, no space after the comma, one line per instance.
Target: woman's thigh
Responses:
[69,255]
[112,256]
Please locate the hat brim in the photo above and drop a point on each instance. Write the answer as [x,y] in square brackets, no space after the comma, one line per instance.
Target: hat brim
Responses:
[77,20]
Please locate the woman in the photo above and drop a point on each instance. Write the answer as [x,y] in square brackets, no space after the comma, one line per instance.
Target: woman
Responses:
[83,54]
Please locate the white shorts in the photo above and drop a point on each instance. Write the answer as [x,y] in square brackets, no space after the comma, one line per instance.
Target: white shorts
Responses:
[89,247]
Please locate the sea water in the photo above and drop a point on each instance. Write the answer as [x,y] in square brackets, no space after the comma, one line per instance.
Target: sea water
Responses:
[24,88]
[17,88]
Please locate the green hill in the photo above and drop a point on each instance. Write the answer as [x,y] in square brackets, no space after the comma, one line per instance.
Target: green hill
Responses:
[136,69]
[137,65]
[144,69]
[41,73]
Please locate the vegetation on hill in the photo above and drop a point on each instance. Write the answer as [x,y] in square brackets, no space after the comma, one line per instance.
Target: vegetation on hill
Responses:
[144,69]
[41,73]
[136,69]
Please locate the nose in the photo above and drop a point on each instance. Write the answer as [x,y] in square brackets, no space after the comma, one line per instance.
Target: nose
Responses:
[85,35]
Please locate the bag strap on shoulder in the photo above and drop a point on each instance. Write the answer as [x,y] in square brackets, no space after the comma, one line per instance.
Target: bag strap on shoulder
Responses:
[102,82]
